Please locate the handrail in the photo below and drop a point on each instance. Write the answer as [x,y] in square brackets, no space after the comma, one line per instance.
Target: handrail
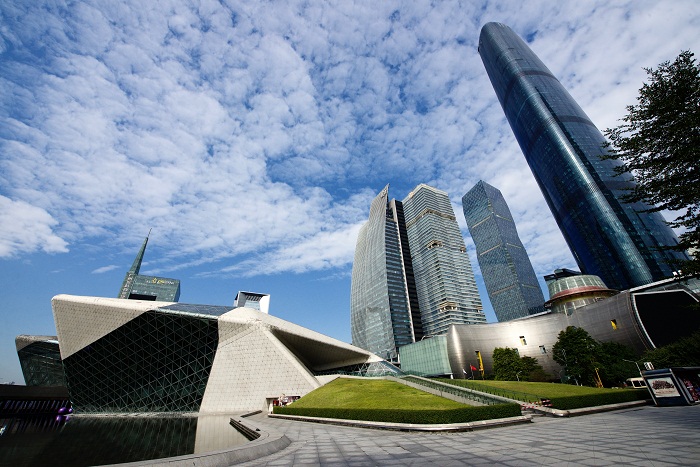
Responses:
[508,393]
[454,389]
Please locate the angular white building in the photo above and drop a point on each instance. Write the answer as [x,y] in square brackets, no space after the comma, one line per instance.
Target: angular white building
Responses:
[143,356]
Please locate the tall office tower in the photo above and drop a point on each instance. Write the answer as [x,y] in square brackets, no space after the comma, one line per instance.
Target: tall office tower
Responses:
[381,314]
[138,287]
[617,241]
[508,274]
[447,292]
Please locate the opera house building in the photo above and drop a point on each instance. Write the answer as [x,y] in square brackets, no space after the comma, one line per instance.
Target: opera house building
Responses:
[147,356]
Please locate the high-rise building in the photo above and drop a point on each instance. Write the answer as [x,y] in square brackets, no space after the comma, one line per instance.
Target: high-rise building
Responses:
[617,241]
[139,287]
[445,285]
[380,307]
[508,275]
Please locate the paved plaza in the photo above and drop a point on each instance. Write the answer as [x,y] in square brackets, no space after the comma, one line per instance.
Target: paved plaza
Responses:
[648,436]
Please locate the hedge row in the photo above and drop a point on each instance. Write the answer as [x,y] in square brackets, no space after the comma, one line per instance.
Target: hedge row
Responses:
[592,400]
[458,415]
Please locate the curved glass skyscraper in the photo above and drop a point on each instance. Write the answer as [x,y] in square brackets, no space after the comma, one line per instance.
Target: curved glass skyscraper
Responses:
[614,240]
[381,318]
[508,275]
[411,275]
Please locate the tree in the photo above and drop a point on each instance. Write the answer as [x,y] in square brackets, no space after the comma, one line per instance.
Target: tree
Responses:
[532,370]
[506,364]
[577,352]
[615,363]
[509,366]
[683,352]
[659,144]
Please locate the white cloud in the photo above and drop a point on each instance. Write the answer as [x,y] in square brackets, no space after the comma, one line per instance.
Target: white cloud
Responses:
[27,229]
[104,269]
[242,132]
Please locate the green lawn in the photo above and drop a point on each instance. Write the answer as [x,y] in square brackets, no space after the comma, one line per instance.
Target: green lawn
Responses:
[546,390]
[562,396]
[346,393]
[386,401]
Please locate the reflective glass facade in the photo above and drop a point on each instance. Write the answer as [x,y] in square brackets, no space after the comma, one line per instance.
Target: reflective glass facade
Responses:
[380,314]
[427,357]
[138,287]
[614,240]
[158,362]
[447,292]
[508,275]
[40,359]
[569,292]
[154,288]
[367,369]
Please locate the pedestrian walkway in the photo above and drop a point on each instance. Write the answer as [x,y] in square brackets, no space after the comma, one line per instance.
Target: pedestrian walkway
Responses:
[648,436]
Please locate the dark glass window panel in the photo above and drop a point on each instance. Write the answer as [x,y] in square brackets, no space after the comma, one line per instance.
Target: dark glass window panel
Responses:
[157,362]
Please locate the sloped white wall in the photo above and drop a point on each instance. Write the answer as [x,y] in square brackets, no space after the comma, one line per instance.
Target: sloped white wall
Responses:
[81,321]
[251,365]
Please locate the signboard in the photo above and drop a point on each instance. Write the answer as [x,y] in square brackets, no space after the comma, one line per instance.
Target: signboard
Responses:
[663,387]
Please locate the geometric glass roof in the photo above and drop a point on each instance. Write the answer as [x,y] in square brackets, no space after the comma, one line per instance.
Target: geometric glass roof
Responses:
[209,310]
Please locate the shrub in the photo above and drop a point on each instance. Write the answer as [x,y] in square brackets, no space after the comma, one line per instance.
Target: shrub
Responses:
[459,415]
[592,400]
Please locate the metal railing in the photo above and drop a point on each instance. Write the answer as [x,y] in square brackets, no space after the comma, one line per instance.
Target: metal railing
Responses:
[485,388]
[460,391]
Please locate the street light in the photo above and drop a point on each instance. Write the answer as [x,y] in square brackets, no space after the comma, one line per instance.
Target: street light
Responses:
[631,361]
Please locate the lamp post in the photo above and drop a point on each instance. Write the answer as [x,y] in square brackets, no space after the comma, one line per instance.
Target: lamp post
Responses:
[631,361]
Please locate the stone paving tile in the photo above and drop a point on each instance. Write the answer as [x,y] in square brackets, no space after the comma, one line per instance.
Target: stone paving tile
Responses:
[648,436]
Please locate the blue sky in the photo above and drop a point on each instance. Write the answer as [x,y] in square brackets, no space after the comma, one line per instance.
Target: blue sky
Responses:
[251,137]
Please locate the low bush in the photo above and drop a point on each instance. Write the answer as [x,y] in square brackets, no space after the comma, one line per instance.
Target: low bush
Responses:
[592,400]
[458,415]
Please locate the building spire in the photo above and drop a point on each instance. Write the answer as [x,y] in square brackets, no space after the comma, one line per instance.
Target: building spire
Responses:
[139,257]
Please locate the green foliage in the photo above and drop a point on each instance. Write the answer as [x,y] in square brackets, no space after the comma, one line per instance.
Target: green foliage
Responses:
[562,396]
[659,143]
[532,370]
[463,414]
[603,398]
[612,365]
[529,391]
[539,375]
[684,352]
[387,401]
[509,366]
[576,351]
[506,363]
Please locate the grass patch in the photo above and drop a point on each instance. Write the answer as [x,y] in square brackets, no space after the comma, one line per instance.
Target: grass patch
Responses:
[562,396]
[350,393]
[387,401]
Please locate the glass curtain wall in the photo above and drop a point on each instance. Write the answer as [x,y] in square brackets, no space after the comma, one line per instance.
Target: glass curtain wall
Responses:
[447,292]
[617,241]
[508,274]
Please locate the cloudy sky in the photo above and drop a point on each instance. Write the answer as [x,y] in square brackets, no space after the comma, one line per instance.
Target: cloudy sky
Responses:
[252,136]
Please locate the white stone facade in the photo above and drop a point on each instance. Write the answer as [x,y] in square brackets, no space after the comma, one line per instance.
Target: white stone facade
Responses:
[258,357]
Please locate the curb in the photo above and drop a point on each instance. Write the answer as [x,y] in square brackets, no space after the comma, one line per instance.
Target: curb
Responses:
[586,410]
[446,428]
[599,408]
